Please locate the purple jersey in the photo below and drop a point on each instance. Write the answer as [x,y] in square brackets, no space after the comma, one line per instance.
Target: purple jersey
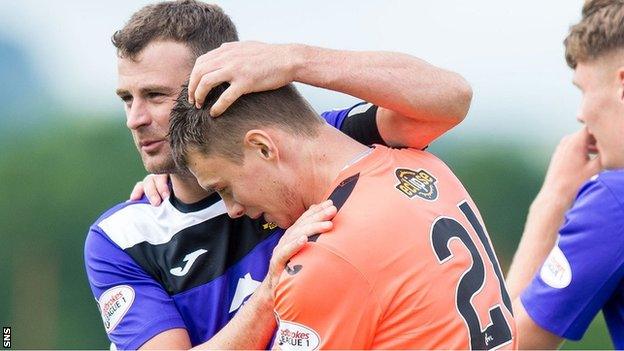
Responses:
[583,273]
[152,269]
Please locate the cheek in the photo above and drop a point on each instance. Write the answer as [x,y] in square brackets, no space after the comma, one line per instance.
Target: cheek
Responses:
[161,117]
[592,109]
[161,113]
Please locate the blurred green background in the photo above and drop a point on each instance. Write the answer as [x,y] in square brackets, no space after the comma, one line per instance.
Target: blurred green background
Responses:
[58,177]
[66,156]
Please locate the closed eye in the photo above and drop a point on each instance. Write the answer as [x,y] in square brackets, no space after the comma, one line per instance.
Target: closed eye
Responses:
[125,98]
[153,95]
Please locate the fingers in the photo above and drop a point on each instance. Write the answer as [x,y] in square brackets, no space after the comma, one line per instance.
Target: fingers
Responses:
[199,69]
[283,253]
[151,192]
[146,187]
[316,220]
[206,83]
[205,64]
[314,209]
[156,188]
[280,257]
[137,192]
[226,99]
[162,185]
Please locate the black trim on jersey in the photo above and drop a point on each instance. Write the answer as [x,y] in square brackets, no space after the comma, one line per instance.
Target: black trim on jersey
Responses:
[363,127]
[226,241]
[195,206]
[340,195]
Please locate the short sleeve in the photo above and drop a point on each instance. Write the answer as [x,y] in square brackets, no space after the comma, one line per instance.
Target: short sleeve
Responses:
[358,121]
[324,302]
[133,306]
[584,268]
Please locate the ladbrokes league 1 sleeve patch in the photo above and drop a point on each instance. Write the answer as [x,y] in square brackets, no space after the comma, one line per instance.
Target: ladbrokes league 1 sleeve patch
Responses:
[295,336]
[114,303]
[556,271]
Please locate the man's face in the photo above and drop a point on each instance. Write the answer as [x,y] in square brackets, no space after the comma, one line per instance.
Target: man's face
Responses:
[148,87]
[254,188]
[602,109]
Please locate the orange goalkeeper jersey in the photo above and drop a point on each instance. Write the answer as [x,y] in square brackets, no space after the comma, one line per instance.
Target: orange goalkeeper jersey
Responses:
[408,265]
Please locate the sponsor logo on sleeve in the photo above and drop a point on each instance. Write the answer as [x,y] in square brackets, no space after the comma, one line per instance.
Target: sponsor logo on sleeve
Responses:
[556,271]
[114,304]
[417,183]
[295,336]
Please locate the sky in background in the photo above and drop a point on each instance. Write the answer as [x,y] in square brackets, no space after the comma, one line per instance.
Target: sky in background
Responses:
[510,51]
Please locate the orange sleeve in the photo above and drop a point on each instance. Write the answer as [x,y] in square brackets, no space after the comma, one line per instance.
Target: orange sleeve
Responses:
[323,302]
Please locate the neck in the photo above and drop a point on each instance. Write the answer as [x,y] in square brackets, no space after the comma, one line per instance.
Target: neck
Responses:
[186,188]
[325,157]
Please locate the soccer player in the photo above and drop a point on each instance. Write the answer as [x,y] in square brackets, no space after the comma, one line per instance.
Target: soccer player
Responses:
[569,264]
[180,275]
[408,263]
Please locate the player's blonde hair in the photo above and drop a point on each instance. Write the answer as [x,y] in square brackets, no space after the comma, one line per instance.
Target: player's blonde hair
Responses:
[600,31]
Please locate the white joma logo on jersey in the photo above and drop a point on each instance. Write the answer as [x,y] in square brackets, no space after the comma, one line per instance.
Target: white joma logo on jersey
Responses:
[189,259]
[245,287]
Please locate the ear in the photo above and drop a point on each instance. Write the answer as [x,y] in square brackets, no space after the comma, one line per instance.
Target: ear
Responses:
[260,143]
[620,81]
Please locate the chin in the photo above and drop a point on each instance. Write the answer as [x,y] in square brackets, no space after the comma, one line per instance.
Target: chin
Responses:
[158,165]
[611,164]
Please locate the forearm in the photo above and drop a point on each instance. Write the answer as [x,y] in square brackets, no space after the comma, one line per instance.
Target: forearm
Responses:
[540,234]
[395,81]
[251,328]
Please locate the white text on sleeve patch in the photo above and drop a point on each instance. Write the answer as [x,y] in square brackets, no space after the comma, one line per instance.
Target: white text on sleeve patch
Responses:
[556,271]
[114,303]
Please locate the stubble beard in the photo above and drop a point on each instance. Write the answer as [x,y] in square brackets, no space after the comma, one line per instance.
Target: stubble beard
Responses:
[161,163]
[290,201]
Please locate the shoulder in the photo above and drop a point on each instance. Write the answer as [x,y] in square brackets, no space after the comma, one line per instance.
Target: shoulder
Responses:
[597,213]
[323,267]
[611,181]
[604,191]
[130,223]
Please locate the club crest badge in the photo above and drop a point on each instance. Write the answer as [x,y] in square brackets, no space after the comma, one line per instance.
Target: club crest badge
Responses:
[417,183]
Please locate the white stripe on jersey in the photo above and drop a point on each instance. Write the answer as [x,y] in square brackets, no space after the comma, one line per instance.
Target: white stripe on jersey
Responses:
[360,109]
[137,223]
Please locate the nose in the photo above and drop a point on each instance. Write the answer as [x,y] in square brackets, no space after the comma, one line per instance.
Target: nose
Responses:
[234,209]
[137,115]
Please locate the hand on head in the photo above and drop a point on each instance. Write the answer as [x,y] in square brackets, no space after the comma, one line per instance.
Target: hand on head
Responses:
[247,66]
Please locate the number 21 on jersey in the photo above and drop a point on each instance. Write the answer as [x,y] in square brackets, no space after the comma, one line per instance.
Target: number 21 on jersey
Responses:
[497,332]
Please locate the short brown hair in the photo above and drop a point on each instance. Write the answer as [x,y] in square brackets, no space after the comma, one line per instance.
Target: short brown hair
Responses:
[203,27]
[600,31]
[190,127]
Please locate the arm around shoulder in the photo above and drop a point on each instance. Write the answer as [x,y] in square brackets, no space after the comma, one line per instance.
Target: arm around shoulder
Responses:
[418,101]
